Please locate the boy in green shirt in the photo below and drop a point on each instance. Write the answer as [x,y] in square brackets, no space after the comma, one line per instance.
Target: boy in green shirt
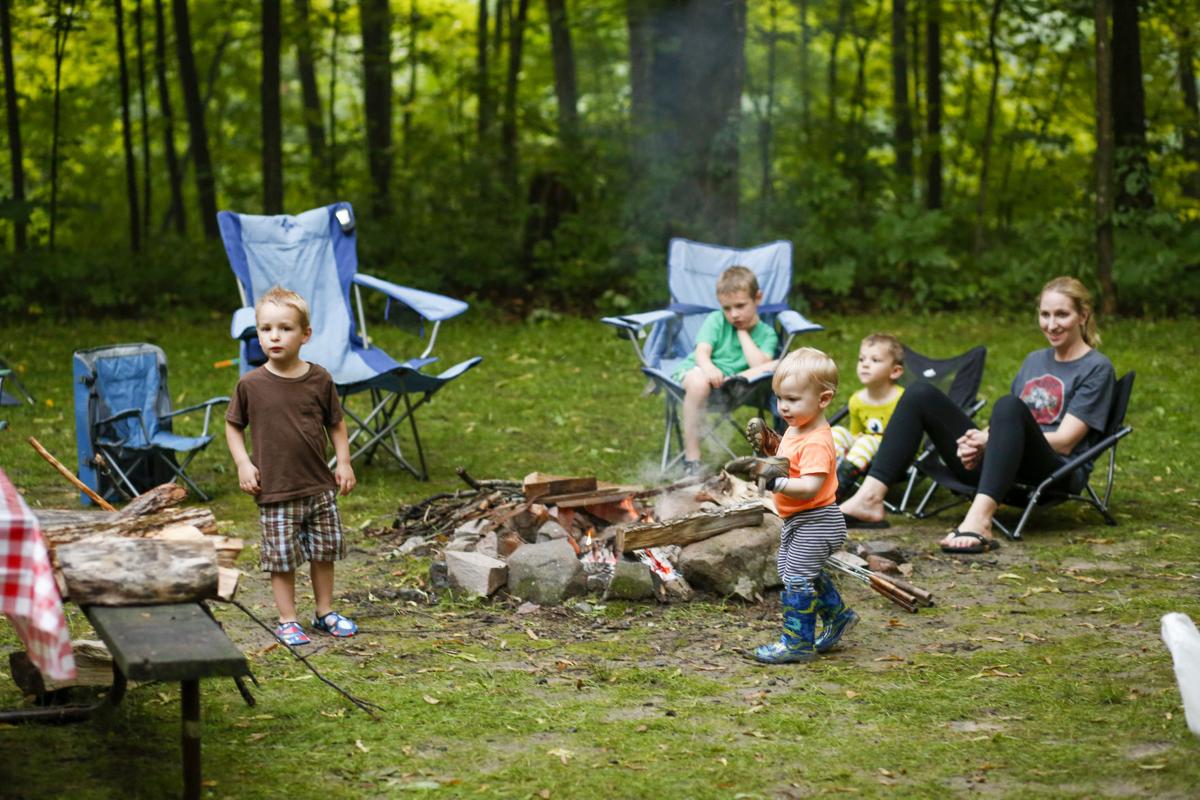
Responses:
[732,342]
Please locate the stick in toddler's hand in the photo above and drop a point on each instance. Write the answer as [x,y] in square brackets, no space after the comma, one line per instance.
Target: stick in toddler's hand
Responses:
[66,473]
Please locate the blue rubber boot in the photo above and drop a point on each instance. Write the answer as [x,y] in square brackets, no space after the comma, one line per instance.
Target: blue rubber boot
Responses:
[795,645]
[836,618]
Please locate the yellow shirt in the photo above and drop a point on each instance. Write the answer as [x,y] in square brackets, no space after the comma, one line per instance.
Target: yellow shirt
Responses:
[867,417]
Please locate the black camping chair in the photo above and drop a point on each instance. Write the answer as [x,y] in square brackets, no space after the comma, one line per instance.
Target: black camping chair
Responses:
[1071,481]
[959,377]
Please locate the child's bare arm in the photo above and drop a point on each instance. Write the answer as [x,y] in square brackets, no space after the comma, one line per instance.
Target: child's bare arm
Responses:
[344,474]
[802,488]
[755,357]
[248,477]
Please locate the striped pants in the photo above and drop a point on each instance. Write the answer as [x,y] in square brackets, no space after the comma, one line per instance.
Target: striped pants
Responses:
[858,451]
[808,538]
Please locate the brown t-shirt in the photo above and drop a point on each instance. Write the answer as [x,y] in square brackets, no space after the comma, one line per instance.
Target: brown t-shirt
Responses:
[288,418]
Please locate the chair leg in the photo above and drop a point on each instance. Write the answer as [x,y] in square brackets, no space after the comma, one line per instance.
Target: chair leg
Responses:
[123,484]
[180,471]
[1016,532]
[412,420]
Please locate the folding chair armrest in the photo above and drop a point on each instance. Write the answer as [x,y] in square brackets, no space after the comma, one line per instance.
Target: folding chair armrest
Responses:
[793,322]
[433,307]
[1079,459]
[129,412]
[633,323]
[207,405]
[243,324]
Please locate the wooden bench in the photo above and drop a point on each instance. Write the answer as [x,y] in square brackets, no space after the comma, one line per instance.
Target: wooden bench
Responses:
[177,642]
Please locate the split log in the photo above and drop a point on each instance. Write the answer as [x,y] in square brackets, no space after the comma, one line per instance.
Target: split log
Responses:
[93,667]
[115,571]
[156,499]
[227,582]
[687,529]
[538,484]
[60,526]
[612,494]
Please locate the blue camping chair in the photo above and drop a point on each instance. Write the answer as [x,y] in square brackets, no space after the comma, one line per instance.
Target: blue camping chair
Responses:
[10,398]
[313,254]
[692,272]
[123,422]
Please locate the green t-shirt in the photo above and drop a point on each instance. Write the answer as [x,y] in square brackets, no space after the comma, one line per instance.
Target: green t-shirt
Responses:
[727,354]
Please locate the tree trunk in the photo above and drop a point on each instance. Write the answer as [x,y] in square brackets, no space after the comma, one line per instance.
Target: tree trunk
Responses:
[564,73]
[1105,250]
[131,190]
[197,131]
[15,153]
[483,84]
[174,173]
[62,29]
[838,29]
[696,83]
[805,71]
[306,69]
[765,130]
[933,104]
[377,91]
[1132,178]
[641,62]
[410,100]
[272,126]
[334,36]
[141,68]
[508,127]
[989,129]
[1191,105]
[902,117]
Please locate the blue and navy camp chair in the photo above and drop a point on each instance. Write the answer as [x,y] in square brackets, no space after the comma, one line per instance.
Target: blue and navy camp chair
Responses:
[9,380]
[123,422]
[314,255]
[692,272]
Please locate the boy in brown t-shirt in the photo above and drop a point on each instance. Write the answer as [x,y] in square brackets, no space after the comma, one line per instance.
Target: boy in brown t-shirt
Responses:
[291,405]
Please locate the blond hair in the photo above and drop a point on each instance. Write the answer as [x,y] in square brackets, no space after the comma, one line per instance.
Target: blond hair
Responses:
[1074,289]
[277,295]
[806,364]
[894,348]
[738,279]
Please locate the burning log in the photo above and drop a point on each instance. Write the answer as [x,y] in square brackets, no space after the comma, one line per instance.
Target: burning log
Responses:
[687,529]
[538,484]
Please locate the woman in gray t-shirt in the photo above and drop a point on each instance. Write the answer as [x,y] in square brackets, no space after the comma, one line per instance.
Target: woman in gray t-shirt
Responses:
[1059,405]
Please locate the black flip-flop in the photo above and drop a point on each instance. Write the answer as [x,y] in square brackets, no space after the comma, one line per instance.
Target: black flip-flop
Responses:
[855,522]
[982,544]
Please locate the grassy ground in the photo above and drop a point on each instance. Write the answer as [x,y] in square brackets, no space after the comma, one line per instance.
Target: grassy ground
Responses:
[1039,674]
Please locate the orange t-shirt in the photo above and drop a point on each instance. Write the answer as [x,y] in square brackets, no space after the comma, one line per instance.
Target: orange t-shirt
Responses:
[808,454]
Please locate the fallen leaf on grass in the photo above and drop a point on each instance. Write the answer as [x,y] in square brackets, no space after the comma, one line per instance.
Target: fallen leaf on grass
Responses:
[529,632]
[1009,576]
[433,701]
[851,694]
[358,743]
[563,755]
[1152,766]
[995,671]
[889,658]
[895,623]
[1090,540]
[1087,579]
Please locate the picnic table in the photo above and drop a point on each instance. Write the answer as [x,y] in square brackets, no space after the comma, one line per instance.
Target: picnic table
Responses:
[166,642]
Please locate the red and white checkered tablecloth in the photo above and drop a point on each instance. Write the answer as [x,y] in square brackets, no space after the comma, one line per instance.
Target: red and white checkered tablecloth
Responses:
[28,595]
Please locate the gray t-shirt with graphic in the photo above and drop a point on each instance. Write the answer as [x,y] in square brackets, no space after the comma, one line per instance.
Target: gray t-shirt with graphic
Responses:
[1082,388]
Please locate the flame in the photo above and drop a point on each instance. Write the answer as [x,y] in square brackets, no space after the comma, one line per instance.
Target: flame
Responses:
[590,531]
[630,508]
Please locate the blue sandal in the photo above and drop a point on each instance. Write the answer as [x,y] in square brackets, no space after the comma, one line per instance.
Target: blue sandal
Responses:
[335,624]
[291,634]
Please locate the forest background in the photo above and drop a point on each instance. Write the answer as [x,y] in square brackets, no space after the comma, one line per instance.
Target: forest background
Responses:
[537,154]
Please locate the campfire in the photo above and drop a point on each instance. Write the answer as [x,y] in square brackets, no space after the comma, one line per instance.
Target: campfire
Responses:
[603,523]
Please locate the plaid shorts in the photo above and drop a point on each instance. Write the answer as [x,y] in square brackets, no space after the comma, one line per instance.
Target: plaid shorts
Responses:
[299,530]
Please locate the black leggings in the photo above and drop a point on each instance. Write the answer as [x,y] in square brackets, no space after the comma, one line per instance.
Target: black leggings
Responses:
[1016,450]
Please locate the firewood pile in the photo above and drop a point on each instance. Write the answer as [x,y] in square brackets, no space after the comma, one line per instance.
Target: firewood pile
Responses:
[151,551]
